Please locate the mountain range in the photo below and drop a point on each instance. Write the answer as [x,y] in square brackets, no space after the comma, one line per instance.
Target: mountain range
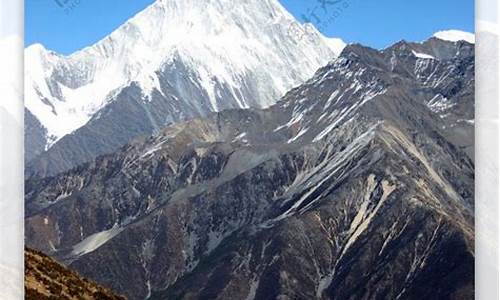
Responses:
[358,183]
[174,61]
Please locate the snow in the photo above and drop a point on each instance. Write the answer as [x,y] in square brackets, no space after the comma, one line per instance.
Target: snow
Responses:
[94,241]
[435,81]
[455,36]
[297,117]
[440,103]
[69,108]
[472,121]
[155,148]
[240,137]
[336,44]
[324,171]
[221,43]
[338,117]
[423,55]
[296,137]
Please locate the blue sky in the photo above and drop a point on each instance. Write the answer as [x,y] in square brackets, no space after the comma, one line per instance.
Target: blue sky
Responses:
[68,25]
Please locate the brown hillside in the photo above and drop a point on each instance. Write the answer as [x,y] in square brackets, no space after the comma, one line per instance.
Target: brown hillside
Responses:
[47,279]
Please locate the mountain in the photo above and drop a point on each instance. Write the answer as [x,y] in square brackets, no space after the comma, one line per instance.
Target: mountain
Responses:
[455,36]
[174,61]
[47,279]
[357,184]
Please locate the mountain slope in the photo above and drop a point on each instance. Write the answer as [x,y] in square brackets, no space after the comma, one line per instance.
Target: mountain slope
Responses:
[353,186]
[173,61]
[47,279]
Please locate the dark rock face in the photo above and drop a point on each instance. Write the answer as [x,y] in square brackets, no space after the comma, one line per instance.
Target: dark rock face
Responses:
[356,185]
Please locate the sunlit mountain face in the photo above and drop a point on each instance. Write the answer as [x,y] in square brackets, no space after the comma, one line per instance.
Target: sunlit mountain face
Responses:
[174,61]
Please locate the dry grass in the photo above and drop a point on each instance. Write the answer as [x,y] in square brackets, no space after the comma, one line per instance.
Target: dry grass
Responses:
[47,279]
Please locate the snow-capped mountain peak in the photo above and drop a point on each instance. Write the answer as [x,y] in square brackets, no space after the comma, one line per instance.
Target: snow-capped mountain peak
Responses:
[220,42]
[455,36]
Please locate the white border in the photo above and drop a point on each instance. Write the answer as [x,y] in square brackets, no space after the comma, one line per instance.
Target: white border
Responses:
[487,149]
[11,150]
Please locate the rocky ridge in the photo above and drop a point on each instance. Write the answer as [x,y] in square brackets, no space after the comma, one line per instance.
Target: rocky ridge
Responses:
[357,184]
